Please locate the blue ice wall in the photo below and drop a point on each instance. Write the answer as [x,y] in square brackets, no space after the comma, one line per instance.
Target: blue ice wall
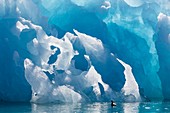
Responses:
[136,32]
[135,51]
[162,45]
[76,17]
[13,84]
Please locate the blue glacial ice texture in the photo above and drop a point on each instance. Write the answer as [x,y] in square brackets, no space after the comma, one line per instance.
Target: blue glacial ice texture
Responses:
[125,28]
[100,55]
[13,84]
[162,37]
[78,18]
[135,51]
[132,41]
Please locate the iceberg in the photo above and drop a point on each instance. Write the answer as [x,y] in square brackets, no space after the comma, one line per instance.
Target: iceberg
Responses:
[84,51]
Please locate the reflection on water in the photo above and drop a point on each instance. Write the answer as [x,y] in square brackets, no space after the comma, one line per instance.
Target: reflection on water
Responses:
[85,108]
[130,107]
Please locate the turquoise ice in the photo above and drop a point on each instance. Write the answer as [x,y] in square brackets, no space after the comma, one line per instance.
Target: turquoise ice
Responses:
[84,50]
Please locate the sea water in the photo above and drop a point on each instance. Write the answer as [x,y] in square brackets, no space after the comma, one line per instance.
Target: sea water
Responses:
[104,107]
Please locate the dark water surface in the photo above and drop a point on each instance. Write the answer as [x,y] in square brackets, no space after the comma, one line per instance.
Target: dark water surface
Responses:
[153,107]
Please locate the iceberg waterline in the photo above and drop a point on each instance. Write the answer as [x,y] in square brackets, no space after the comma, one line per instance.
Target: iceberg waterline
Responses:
[79,51]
